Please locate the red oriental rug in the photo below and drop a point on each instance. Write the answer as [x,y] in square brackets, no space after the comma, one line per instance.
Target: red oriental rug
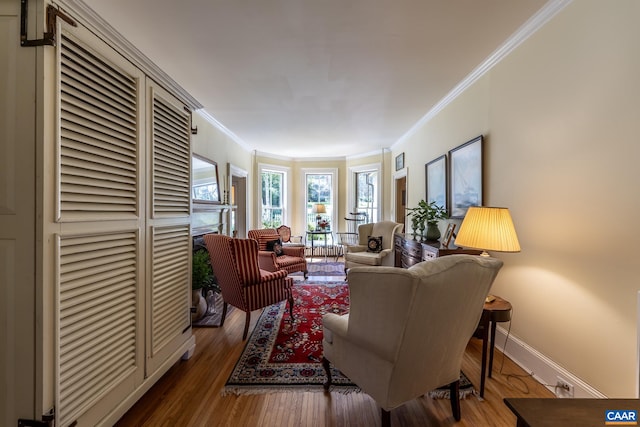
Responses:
[280,355]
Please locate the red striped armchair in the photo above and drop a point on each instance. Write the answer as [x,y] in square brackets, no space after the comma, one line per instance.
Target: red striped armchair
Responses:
[291,260]
[243,283]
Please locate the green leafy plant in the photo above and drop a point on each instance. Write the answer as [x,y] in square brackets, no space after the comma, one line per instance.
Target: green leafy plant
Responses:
[426,213]
[201,272]
[429,213]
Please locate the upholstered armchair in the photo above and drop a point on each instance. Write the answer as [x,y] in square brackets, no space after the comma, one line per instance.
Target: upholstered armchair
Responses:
[244,285]
[290,258]
[364,254]
[407,329]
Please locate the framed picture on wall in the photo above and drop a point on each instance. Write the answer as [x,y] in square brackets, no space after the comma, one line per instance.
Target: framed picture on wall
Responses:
[399,161]
[465,177]
[436,181]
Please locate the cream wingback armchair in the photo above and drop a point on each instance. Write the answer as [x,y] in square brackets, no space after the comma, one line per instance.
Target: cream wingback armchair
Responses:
[363,254]
[407,329]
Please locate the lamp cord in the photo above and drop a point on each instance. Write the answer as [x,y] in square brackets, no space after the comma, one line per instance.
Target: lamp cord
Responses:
[519,377]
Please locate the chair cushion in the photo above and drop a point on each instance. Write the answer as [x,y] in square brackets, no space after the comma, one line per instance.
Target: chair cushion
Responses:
[374,244]
[275,246]
[366,258]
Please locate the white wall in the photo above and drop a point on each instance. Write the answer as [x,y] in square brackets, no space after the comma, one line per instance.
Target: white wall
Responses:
[561,118]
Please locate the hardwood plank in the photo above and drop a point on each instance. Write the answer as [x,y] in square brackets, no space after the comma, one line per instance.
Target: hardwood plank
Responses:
[189,394]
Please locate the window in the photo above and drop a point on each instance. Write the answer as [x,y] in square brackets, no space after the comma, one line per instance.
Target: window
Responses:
[321,205]
[273,201]
[364,191]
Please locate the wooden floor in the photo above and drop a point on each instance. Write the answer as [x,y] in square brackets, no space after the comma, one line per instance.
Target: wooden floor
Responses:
[189,394]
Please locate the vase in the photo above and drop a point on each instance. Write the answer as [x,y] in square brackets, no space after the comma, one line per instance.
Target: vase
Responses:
[211,303]
[433,232]
[198,305]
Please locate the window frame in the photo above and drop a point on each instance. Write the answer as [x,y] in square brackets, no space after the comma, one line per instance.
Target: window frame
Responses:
[334,193]
[352,190]
[286,184]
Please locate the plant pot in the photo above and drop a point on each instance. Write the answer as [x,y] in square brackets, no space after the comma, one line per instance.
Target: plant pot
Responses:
[198,305]
[433,232]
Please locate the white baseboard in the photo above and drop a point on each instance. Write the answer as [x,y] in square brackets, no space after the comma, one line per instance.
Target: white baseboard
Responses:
[543,369]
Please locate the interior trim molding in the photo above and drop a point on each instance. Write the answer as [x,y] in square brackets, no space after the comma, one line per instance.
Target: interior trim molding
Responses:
[527,29]
[542,368]
[222,128]
[103,30]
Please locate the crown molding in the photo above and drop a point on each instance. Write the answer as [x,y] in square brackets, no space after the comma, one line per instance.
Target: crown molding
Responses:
[103,30]
[222,128]
[527,29]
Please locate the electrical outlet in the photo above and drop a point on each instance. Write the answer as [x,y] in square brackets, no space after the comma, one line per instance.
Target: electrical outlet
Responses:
[563,388]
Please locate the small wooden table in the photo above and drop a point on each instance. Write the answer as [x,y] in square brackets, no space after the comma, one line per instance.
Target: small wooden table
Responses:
[324,233]
[493,312]
[551,412]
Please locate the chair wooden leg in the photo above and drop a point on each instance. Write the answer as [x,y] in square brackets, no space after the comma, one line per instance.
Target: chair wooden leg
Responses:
[454,396]
[291,307]
[327,370]
[224,314]
[246,325]
[386,418]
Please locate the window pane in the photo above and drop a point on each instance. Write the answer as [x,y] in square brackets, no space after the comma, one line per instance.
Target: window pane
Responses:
[319,192]
[367,194]
[272,198]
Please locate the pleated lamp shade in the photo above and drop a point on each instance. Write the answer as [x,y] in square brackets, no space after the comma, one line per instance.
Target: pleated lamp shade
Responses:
[489,229]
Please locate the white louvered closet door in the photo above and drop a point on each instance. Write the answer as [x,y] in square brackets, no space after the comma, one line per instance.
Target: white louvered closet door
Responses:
[169,170]
[98,229]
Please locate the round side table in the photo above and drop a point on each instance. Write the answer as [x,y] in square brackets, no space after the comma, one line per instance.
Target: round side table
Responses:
[498,310]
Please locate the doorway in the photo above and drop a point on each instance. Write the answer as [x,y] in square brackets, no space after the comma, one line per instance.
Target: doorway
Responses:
[401,200]
[238,201]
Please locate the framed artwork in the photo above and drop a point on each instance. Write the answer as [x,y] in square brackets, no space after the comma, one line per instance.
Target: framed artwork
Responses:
[448,234]
[436,181]
[399,161]
[465,177]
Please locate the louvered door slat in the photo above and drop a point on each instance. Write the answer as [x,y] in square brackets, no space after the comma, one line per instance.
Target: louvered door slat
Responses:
[72,174]
[95,69]
[103,101]
[97,305]
[115,125]
[117,144]
[99,137]
[171,284]
[171,159]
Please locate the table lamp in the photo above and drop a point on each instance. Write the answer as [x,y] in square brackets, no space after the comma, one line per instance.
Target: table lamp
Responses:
[318,209]
[488,229]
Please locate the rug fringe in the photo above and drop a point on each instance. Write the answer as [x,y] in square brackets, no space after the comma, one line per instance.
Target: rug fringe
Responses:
[248,390]
[444,394]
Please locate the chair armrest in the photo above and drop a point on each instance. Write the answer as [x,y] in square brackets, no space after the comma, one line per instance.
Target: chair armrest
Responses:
[293,251]
[385,252]
[267,261]
[356,248]
[269,276]
[335,325]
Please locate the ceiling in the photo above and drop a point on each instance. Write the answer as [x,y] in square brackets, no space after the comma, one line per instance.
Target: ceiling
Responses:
[322,78]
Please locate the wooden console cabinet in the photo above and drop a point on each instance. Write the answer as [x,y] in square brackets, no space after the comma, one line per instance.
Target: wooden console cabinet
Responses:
[409,251]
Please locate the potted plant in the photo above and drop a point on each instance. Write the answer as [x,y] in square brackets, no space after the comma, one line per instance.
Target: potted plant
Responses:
[202,277]
[427,214]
